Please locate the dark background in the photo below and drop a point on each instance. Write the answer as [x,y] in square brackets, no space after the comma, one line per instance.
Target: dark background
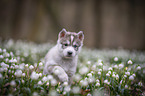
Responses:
[106,23]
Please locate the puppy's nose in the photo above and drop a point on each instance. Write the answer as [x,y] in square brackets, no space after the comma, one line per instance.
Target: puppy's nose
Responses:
[69,53]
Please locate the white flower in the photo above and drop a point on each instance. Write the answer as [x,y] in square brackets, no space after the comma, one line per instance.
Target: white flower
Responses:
[99,73]
[116,59]
[89,94]
[18,73]
[107,74]
[53,82]
[67,89]
[131,77]
[89,62]
[125,76]
[49,77]
[97,80]
[22,81]
[127,73]
[65,83]
[1,56]
[1,69]
[93,67]
[115,66]
[110,68]
[4,50]
[31,67]
[89,74]
[23,74]
[77,77]
[40,74]
[84,82]
[14,60]
[13,83]
[113,75]
[56,72]
[130,62]
[26,65]
[138,68]
[47,83]
[97,84]
[121,82]
[140,83]
[34,76]
[91,80]
[35,94]
[126,86]
[40,64]
[100,64]
[44,79]
[100,70]
[76,89]
[40,83]
[16,66]
[117,76]
[83,70]
[106,82]
[121,66]
[21,66]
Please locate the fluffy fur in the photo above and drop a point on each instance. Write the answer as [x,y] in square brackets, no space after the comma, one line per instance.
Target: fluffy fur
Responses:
[61,60]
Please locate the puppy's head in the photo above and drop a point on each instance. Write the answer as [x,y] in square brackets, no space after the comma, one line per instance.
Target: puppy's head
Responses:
[70,43]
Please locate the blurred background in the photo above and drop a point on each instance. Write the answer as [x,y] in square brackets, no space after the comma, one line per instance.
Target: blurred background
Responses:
[106,23]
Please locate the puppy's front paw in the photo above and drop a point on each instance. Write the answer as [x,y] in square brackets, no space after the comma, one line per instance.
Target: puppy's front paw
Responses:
[60,73]
[63,77]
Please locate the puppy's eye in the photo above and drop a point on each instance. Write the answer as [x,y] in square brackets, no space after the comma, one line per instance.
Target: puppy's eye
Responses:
[75,46]
[65,44]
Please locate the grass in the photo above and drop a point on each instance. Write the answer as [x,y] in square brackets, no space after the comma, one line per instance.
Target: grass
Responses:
[99,73]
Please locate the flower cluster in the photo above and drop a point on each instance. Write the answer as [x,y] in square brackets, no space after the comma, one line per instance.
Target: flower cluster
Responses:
[98,72]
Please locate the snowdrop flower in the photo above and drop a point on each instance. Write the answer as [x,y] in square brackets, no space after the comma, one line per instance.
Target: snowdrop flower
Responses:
[76,89]
[100,70]
[99,73]
[1,56]
[83,70]
[40,74]
[99,61]
[4,50]
[40,64]
[89,74]
[56,72]
[77,77]
[100,64]
[97,84]
[106,82]
[26,65]
[14,60]
[67,89]
[131,77]
[127,73]
[65,83]
[91,80]
[44,79]
[97,80]
[121,82]
[138,68]
[89,62]
[117,76]
[121,66]
[35,94]
[126,86]
[115,66]
[53,82]
[31,67]
[21,66]
[116,59]
[89,94]
[22,81]
[13,83]
[23,74]
[40,83]
[110,68]
[18,73]
[140,83]
[47,84]
[130,62]
[125,76]
[107,74]
[84,82]
[16,66]
[113,75]
[49,77]
[34,76]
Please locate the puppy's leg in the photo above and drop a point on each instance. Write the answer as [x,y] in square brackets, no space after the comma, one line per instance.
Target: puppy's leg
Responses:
[59,73]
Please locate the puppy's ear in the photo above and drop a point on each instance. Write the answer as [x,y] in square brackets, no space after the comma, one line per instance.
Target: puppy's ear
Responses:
[81,35]
[62,33]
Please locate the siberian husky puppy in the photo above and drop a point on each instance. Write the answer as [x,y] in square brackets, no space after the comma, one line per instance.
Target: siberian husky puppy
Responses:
[61,60]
